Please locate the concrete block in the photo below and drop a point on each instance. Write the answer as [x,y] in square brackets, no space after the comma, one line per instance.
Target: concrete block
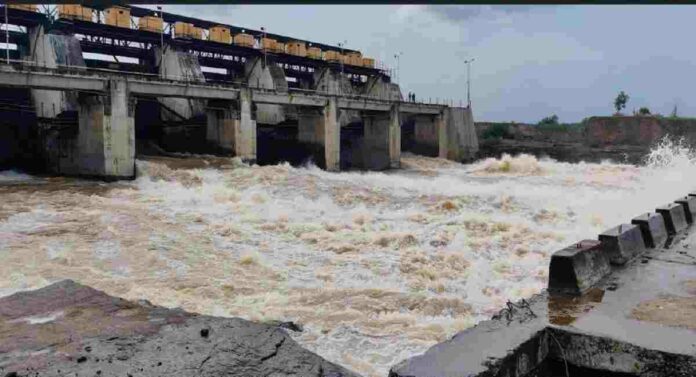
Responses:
[652,225]
[675,217]
[622,243]
[689,203]
[577,268]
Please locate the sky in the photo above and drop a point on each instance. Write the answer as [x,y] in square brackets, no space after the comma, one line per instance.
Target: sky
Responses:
[531,61]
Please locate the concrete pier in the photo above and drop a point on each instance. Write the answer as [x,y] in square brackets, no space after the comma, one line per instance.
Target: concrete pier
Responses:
[450,134]
[381,148]
[320,129]
[221,117]
[231,127]
[245,133]
[106,136]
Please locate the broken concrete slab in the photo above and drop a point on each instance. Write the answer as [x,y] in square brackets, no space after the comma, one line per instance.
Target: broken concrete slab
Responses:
[675,217]
[511,344]
[652,226]
[578,267]
[689,203]
[70,329]
[622,243]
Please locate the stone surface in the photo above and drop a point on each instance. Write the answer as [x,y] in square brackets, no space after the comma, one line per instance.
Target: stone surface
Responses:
[577,268]
[622,243]
[689,203]
[652,225]
[70,329]
[675,217]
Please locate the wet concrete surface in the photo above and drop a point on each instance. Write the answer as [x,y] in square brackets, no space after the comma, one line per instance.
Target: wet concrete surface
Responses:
[68,329]
[639,320]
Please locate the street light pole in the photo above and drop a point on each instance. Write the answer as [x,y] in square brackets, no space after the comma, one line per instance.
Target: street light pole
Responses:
[468,81]
[340,85]
[161,62]
[397,56]
[265,48]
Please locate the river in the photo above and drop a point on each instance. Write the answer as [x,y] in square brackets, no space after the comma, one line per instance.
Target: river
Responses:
[376,266]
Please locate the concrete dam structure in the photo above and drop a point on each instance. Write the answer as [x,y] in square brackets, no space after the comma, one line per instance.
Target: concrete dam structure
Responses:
[206,253]
[334,108]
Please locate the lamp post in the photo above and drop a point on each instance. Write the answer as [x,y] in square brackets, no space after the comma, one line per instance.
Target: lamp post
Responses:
[468,81]
[161,62]
[341,45]
[397,56]
[265,48]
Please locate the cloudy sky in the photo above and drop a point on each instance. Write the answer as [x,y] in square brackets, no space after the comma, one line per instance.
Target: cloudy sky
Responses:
[530,61]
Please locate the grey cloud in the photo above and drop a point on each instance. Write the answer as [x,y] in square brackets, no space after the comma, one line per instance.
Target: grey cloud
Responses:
[458,13]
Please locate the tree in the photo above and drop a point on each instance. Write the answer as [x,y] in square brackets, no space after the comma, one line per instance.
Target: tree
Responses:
[551,120]
[620,101]
[644,111]
[674,112]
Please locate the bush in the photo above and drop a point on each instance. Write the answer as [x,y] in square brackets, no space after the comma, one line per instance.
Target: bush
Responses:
[497,131]
[644,111]
[552,120]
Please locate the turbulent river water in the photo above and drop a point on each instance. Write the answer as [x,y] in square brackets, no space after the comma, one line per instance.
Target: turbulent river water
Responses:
[377,267]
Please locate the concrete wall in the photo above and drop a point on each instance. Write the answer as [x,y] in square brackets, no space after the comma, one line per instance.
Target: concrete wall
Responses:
[462,141]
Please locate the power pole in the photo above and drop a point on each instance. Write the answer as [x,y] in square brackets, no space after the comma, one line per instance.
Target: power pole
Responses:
[468,81]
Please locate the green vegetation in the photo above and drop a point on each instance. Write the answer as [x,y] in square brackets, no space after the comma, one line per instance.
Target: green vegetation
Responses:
[497,131]
[620,101]
[551,121]
[644,111]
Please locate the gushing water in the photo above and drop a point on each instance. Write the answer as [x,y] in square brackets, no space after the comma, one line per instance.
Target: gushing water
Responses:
[376,266]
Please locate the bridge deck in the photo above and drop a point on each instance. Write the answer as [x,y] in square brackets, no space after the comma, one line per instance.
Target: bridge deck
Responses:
[97,81]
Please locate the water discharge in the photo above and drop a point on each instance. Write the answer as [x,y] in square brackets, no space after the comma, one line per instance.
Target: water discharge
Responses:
[376,266]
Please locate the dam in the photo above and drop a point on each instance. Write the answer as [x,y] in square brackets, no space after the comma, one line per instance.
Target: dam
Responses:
[185,257]
[88,118]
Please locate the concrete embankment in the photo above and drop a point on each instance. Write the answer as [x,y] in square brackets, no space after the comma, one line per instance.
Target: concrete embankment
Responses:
[617,138]
[68,329]
[624,305]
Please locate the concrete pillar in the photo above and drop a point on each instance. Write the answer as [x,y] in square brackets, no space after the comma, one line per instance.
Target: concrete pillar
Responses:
[222,120]
[332,136]
[394,136]
[441,127]
[428,133]
[245,132]
[106,136]
[321,130]
[461,140]
[376,142]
